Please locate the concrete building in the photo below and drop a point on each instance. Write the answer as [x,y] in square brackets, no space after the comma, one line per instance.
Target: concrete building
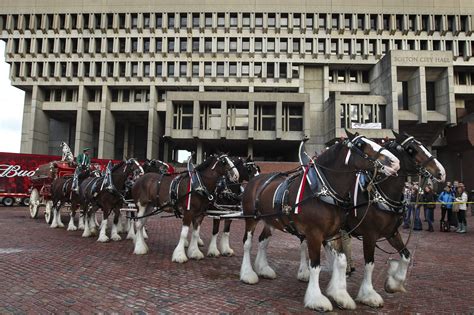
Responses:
[147,78]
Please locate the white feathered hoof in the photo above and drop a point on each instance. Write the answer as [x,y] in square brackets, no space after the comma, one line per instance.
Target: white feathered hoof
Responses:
[71,227]
[228,252]
[319,303]
[103,239]
[249,277]
[342,299]
[145,234]
[393,286]
[200,242]
[303,274]
[195,254]
[116,237]
[60,224]
[186,243]
[54,224]
[266,272]
[86,233]
[141,249]
[213,252]
[372,299]
[179,256]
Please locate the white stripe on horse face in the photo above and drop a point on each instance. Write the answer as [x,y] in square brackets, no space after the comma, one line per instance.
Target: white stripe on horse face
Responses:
[233,170]
[395,165]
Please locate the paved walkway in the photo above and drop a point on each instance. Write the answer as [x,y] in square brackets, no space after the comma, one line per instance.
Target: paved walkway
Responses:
[50,270]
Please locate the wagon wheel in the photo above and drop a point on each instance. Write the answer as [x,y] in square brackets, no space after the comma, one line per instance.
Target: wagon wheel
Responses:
[34,203]
[48,212]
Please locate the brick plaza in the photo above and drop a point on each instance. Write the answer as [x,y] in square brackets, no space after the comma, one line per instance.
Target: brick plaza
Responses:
[46,270]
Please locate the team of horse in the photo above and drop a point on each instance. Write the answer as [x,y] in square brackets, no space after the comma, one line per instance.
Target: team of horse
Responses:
[355,185]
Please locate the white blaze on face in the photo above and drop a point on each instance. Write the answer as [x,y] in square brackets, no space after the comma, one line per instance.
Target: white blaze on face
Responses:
[391,169]
[442,172]
[234,173]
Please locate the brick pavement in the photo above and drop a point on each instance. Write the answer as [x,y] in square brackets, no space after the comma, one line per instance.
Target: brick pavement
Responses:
[47,270]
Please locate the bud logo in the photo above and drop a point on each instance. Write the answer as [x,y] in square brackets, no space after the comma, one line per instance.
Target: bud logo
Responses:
[14,171]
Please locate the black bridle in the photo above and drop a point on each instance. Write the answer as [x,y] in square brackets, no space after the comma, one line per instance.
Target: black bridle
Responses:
[408,145]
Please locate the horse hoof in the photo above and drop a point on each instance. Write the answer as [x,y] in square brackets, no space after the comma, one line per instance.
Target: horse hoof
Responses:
[179,258]
[116,238]
[60,225]
[141,251]
[200,242]
[319,303]
[249,278]
[394,286]
[213,253]
[267,272]
[373,300]
[53,226]
[228,253]
[343,300]
[72,228]
[196,254]
[303,275]
[103,239]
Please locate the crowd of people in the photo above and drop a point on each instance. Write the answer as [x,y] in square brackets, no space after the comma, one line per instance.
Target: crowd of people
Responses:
[454,205]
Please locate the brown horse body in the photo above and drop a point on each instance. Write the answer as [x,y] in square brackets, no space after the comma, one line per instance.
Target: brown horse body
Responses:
[317,220]
[153,190]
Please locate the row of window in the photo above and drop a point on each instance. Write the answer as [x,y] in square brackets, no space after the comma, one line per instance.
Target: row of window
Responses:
[324,21]
[341,46]
[464,78]
[153,69]
[238,116]
[352,114]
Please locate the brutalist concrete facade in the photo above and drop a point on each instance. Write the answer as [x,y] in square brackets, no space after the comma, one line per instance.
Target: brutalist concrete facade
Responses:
[149,78]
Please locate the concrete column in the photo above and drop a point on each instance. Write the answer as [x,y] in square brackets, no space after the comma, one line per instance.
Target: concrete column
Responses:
[125,139]
[38,125]
[223,119]
[251,119]
[25,127]
[169,118]
[417,94]
[196,119]
[278,117]
[107,127]
[166,156]
[84,123]
[250,149]
[199,152]
[153,139]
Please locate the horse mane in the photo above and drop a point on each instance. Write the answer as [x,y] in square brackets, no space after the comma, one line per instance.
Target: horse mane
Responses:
[330,155]
[117,166]
[206,163]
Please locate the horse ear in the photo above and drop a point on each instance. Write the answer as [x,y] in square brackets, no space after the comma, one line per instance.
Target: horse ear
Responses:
[398,137]
[349,134]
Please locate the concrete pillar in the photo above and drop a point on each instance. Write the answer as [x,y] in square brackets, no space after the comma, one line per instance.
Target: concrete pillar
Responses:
[278,124]
[125,139]
[84,123]
[153,139]
[223,119]
[107,127]
[25,127]
[38,125]
[199,152]
[166,155]
[196,119]
[417,94]
[251,119]
[250,149]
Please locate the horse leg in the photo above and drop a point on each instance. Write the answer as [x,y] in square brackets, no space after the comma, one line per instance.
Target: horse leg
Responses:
[131,227]
[193,250]
[337,288]
[262,267]
[141,247]
[247,274]
[58,217]
[145,234]
[213,251]
[103,226]
[397,271]
[119,226]
[179,254]
[313,298]
[224,244]
[71,226]
[81,220]
[303,270]
[92,221]
[367,295]
[87,230]
[114,235]
[54,224]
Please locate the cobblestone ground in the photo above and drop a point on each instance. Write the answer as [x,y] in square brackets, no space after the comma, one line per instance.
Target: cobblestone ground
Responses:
[50,270]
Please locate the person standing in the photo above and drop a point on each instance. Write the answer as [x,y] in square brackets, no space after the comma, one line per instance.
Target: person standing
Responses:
[407,191]
[416,214]
[83,162]
[446,198]
[461,197]
[429,199]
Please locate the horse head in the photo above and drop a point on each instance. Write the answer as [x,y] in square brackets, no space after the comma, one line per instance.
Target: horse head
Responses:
[224,165]
[423,161]
[253,169]
[366,154]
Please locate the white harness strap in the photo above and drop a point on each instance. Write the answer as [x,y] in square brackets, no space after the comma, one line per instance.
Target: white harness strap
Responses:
[406,140]
[348,156]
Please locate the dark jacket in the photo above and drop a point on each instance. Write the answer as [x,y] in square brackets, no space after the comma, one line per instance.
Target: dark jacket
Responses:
[429,197]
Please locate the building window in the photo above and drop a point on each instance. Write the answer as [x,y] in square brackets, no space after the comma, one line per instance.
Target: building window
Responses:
[246,20]
[146,69]
[233,20]
[257,70]
[170,69]
[134,20]
[220,69]
[296,45]
[182,116]
[258,45]
[195,69]
[208,20]
[335,21]
[220,44]
[134,69]
[134,44]
[283,70]
[233,45]
[245,69]
[292,117]
[159,69]
[265,117]
[309,21]
[171,20]
[208,45]
[402,95]
[183,69]
[237,116]
[322,21]
[430,95]
[195,19]
[283,45]
[296,20]
[271,20]
[170,45]
[221,20]
[146,20]
[245,44]
[183,44]
[195,44]
[321,46]
[348,21]
[232,69]
[183,20]
[258,20]
[363,114]
[271,45]
[210,116]
[284,20]
[159,20]
[207,69]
